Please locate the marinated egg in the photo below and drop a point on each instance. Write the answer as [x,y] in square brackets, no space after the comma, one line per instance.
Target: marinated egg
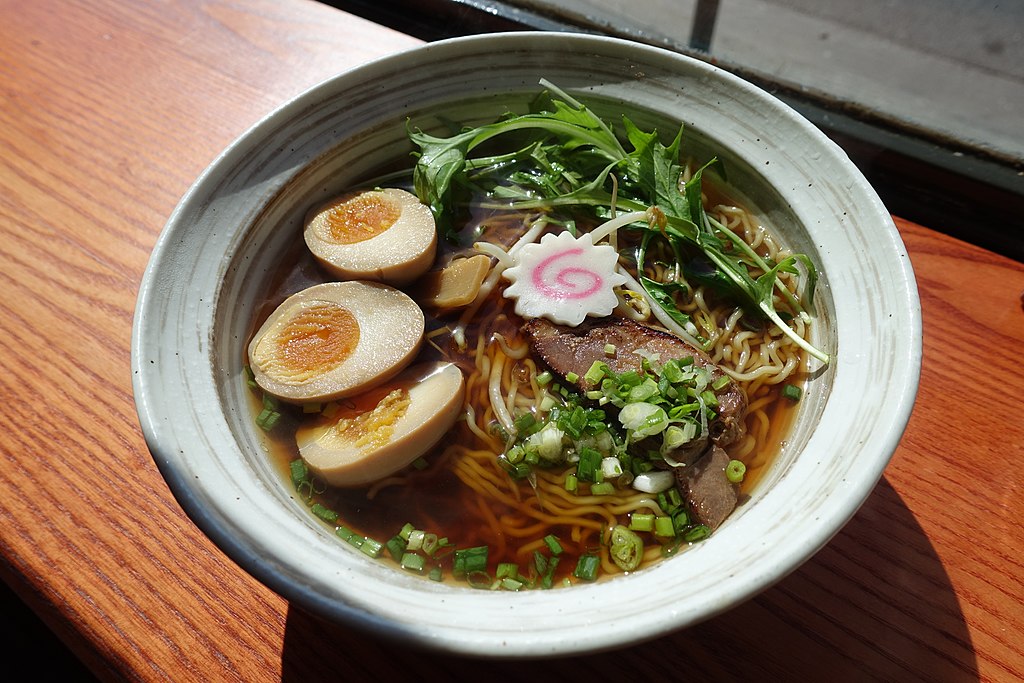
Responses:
[385,235]
[385,429]
[334,340]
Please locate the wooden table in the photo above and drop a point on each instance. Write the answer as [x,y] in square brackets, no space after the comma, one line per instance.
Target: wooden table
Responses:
[112,107]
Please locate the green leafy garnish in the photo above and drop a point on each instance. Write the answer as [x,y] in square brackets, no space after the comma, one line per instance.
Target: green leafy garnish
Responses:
[561,158]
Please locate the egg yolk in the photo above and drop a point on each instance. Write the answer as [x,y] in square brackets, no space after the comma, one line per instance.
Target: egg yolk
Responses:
[362,217]
[317,339]
[373,429]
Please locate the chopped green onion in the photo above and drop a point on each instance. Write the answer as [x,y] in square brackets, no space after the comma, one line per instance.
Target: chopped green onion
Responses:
[697,533]
[511,584]
[548,577]
[672,371]
[571,483]
[324,513]
[641,521]
[670,500]
[720,383]
[680,521]
[515,454]
[611,467]
[638,466]
[371,547]
[413,562]
[267,418]
[470,560]
[525,423]
[677,435]
[604,488]
[572,378]
[792,392]
[479,579]
[553,544]
[609,350]
[572,422]
[407,529]
[396,547]
[435,574]
[626,548]
[643,391]
[430,544]
[544,378]
[506,570]
[299,471]
[663,526]
[596,372]
[415,540]
[735,470]
[547,443]
[540,562]
[350,537]
[643,419]
[675,498]
[519,470]
[679,411]
[587,567]
[589,464]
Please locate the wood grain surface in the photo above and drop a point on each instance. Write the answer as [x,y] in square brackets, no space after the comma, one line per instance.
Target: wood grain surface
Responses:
[110,110]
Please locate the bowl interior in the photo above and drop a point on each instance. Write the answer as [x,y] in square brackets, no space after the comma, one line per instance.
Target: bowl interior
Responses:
[226,239]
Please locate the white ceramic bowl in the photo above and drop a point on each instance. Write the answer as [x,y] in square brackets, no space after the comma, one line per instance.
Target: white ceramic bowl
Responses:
[212,260]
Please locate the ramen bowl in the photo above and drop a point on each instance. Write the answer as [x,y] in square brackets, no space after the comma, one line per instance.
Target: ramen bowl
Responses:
[211,265]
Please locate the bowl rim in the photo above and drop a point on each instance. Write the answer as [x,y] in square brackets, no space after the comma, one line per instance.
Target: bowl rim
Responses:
[220,527]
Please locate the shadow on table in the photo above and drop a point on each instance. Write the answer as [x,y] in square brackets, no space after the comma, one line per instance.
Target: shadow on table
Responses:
[874,604]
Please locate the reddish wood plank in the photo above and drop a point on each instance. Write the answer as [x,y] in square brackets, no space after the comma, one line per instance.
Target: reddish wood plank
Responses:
[110,109]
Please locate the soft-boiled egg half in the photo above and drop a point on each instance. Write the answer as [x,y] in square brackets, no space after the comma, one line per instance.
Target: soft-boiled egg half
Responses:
[334,340]
[385,429]
[386,235]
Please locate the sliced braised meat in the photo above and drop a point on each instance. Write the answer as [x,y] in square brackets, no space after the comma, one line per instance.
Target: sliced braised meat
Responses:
[574,349]
[712,497]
